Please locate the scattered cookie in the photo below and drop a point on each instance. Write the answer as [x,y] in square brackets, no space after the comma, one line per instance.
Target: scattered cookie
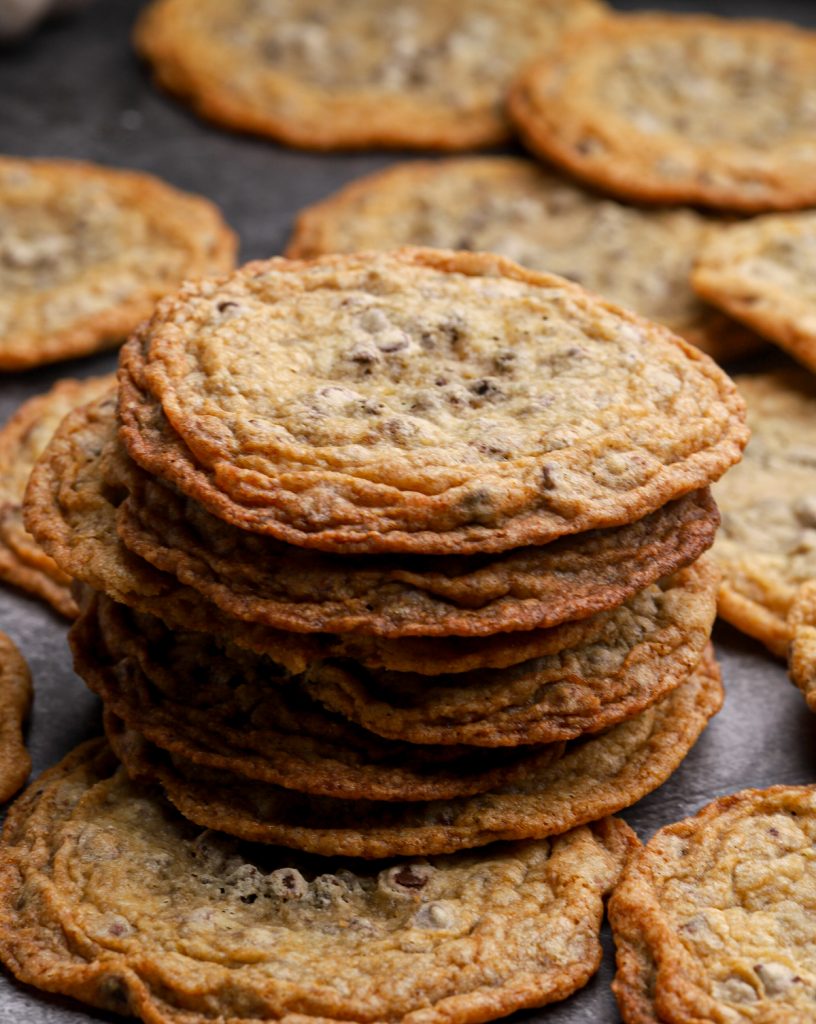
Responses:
[15,703]
[762,273]
[108,896]
[715,918]
[349,76]
[86,251]
[422,401]
[640,257]
[766,546]
[679,109]
[22,441]
[802,650]
[599,776]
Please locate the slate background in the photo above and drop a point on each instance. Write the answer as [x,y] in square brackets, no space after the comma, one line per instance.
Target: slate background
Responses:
[75,89]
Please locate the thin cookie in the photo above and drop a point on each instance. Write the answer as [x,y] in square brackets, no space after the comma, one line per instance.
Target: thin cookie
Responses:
[71,508]
[109,896]
[598,776]
[715,918]
[87,251]
[257,579]
[422,401]
[221,708]
[802,649]
[358,75]
[15,703]
[638,256]
[22,441]
[766,547]
[626,660]
[679,109]
[761,273]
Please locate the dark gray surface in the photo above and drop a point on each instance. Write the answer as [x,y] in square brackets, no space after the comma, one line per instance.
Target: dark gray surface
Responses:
[76,90]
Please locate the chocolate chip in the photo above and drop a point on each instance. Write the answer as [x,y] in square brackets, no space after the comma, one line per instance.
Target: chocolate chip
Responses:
[453,330]
[287,884]
[364,353]
[478,505]
[394,344]
[222,307]
[589,145]
[491,448]
[503,361]
[548,481]
[486,388]
[408,878]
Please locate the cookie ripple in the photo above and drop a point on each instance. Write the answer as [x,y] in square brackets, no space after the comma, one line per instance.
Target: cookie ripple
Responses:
[107,895]
[600,776]
[73,508]
[220,707]
[379,415]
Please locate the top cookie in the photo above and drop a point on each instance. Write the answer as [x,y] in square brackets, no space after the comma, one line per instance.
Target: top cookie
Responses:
[420,400]
[86,251]
[680,109]
[640,257]
[762,273]
[356,74]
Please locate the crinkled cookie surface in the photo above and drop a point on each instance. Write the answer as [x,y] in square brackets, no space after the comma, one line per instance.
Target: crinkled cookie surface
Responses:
[86,251]
[258,579]
[74,508]
[356,74]
[680,109]
[420,400]
[109,896]
[761,272]
[595,777]
[220,707]
[22,440]
[638,256]
[621,662]
[766,546]
[15,702]
[715,919]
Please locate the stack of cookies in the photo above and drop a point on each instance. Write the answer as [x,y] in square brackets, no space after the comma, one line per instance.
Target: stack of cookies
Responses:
[395,554]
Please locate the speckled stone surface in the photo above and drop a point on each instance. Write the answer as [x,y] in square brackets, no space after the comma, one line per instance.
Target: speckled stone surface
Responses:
[76,90]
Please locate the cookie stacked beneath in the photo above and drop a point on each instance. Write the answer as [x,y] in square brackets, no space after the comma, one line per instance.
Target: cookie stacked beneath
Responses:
[395,554]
